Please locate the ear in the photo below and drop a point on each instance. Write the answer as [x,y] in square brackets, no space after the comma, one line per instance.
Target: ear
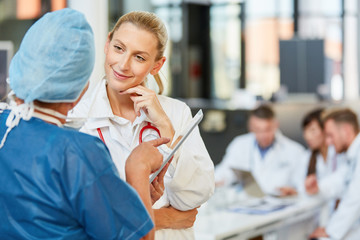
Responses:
[158,65]
[106,48]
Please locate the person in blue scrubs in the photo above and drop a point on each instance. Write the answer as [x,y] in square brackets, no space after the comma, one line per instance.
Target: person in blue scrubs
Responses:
[58,183]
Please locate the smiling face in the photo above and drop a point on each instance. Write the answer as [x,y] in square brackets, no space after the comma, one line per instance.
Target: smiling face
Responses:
[130,57]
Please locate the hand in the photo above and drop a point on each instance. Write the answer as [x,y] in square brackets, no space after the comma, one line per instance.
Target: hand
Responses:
[287,191]
[147,100]
[319,232]
[145,157]
[157,186]
[311,185]
[170,217]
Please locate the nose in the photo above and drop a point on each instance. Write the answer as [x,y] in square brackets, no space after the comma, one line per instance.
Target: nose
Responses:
[124,62]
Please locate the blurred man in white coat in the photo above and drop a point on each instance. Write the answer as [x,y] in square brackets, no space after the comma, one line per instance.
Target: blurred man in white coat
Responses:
[342,130]
[265,152]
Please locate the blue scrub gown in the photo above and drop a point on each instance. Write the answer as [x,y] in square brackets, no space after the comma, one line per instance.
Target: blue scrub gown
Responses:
[58,183]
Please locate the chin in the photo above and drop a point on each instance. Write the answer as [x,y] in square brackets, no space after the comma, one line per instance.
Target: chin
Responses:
[341,150]
[264,145]
[116,86]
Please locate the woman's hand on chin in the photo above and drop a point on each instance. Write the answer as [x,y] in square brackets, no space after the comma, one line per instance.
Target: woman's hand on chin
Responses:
[147,100]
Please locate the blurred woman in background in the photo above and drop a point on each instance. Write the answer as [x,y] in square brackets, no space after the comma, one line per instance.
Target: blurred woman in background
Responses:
[325,168]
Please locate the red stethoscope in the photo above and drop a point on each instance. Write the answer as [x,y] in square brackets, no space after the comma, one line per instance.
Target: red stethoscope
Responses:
[148,126]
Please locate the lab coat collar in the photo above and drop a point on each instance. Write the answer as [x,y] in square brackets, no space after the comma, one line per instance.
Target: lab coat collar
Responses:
[141,118]
[95,123]
[266,148]
[99,103]
[353,150]
[100,113]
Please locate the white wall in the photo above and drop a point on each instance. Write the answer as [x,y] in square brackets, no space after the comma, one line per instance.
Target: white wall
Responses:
[96,13]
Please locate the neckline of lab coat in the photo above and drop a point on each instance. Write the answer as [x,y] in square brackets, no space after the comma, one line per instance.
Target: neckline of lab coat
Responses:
[277,143]
[100,113]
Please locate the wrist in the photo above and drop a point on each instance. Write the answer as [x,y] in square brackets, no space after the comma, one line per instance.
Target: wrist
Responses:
[162,219]
[166,129]
[135,171]
[165,123]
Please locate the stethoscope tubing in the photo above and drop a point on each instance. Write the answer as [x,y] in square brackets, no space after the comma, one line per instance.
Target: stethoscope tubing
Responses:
[147,127]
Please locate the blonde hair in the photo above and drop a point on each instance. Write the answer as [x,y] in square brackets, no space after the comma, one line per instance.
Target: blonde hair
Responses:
[151,23]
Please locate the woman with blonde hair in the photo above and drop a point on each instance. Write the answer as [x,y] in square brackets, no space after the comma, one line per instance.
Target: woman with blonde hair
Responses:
[122,105]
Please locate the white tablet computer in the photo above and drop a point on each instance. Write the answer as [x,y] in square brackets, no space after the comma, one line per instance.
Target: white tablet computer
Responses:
[182,136]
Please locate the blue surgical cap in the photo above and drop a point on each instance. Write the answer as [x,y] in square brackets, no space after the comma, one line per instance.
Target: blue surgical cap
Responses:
[55,58]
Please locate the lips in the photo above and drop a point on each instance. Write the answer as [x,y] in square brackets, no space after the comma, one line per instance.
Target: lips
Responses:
[120,76]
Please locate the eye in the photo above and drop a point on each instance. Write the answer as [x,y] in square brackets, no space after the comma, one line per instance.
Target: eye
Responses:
[118,48]
[140,58]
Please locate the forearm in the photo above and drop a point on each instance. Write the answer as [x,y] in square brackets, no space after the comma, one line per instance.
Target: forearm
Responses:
[143,160]
[140,182]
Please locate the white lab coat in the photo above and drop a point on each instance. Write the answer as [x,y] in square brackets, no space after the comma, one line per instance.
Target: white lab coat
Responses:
[274,171]
[330,175]
[344,223]
[189,181]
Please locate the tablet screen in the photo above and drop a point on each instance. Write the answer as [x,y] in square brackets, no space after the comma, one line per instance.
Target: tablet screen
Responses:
[182,137]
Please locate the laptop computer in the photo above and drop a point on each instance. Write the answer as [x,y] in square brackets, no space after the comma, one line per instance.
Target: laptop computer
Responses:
[258,202]
[249,183]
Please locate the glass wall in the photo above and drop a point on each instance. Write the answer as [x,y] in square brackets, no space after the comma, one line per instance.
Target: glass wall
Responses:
[17,16]
[333,21]
[245,41]
[239,45]
[323,20]
[171,72]
[267,22]
[225,35]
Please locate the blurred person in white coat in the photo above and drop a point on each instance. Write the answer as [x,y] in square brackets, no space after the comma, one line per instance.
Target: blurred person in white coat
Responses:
[269,155]
[342,131]
[323,166]
[121,106]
